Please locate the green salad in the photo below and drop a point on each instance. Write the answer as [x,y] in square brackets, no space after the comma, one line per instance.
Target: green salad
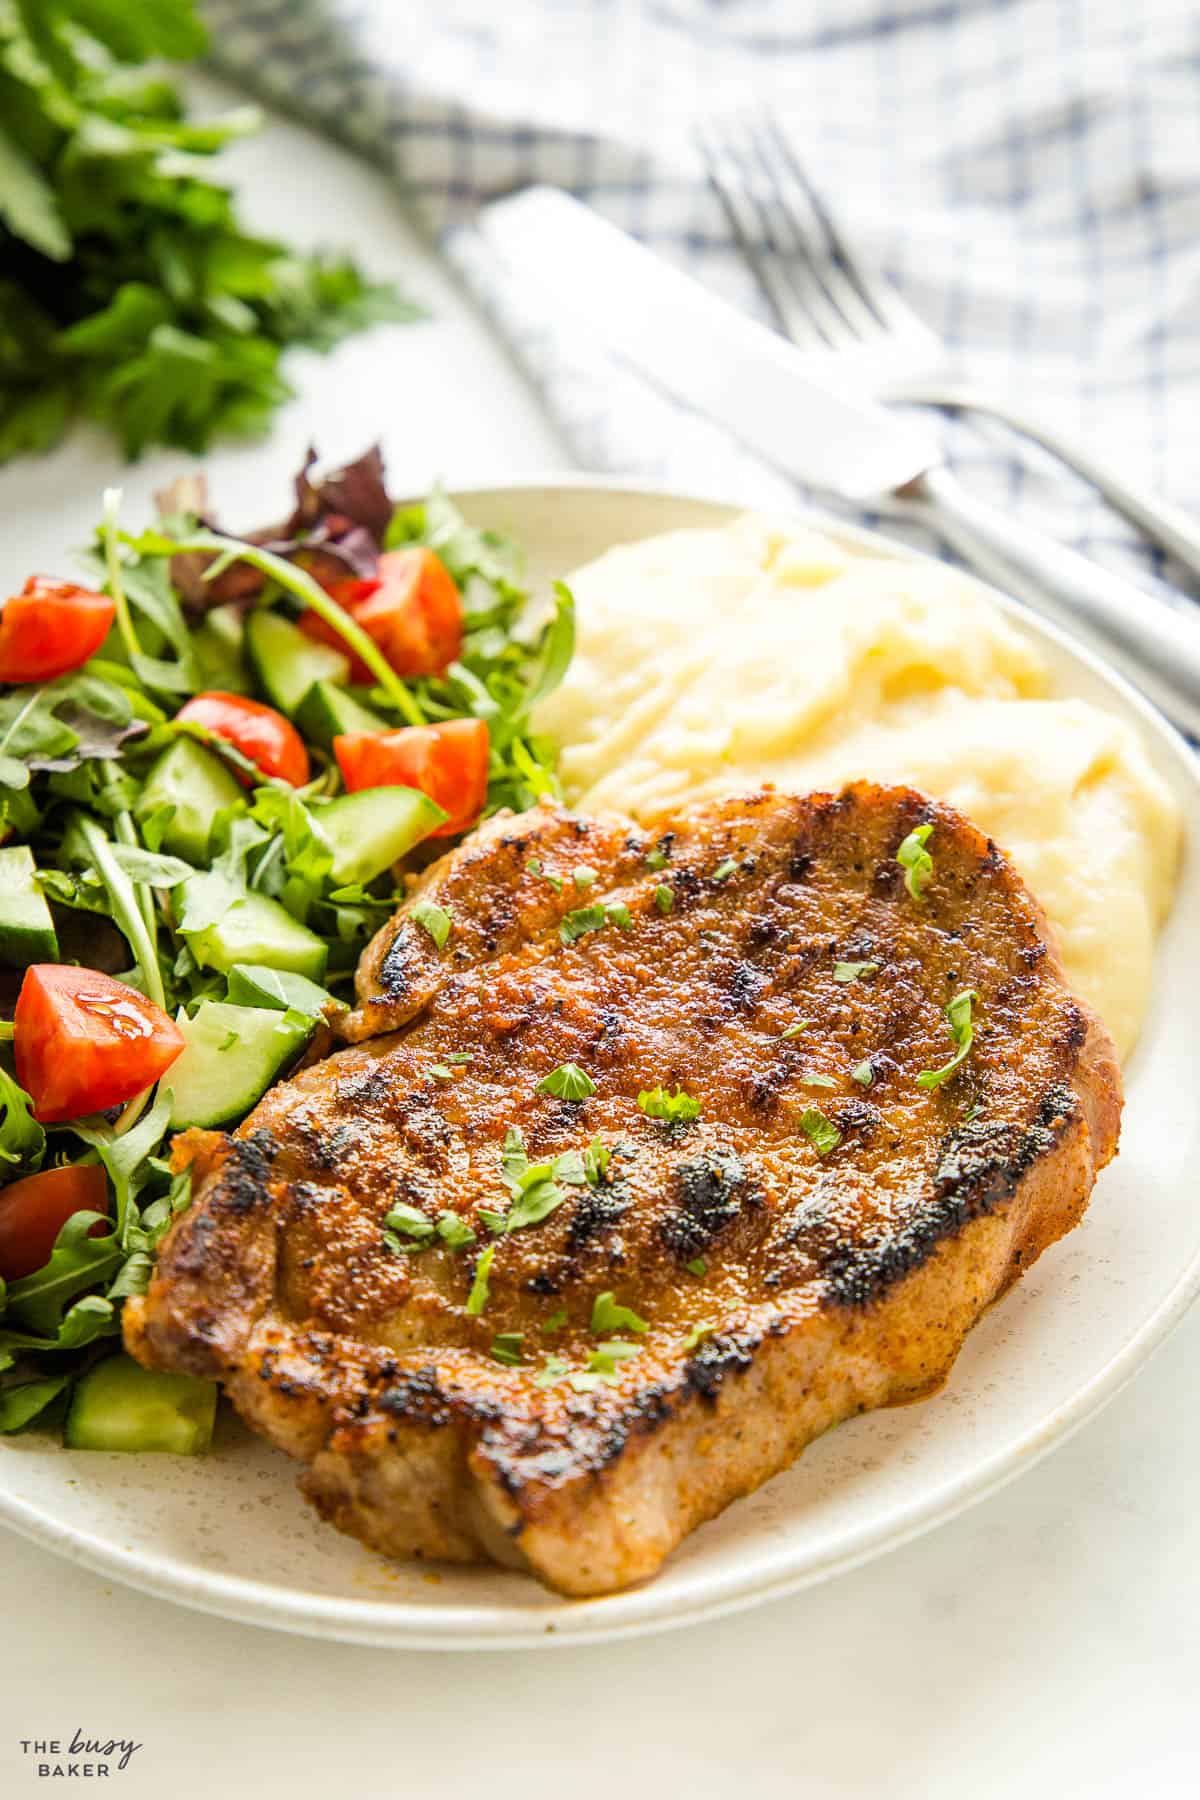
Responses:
[221,761]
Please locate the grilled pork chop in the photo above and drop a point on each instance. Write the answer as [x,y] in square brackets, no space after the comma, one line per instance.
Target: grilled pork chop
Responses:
[677,1305]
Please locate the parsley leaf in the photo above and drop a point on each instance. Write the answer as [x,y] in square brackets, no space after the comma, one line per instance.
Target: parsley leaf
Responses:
[477,1299]
[131,293]
[664,898]
[410,1222]
[863,1073]
[824,1134]
[916,861]
[674,1108]
[506,1347]
[434,919]
[553,1369]
[791,1031]
[725,869]
[584,919]
[567,1082]
[596,1159]
[608,1316]
[454,1232]
[853,971]
[536,1188]
[962,1031]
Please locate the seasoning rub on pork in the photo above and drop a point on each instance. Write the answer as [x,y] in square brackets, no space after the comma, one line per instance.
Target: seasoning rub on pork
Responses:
[653,1154]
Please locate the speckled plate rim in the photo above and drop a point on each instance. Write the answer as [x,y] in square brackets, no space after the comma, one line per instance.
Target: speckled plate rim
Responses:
[789,1568]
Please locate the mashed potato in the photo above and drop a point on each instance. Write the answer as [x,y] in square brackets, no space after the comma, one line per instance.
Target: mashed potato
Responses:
[718,659]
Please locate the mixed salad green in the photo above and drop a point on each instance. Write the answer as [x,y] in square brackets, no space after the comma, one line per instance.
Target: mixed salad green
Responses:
[204,821]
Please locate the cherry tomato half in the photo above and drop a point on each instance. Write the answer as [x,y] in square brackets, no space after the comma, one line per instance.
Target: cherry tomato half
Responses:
[413,611]
[51,627]
[33,1212]
[448,762]
[258,731]
[84,1042]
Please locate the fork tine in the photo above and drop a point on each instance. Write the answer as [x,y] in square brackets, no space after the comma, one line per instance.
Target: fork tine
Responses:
[813,239]
[883,303]
[747,222]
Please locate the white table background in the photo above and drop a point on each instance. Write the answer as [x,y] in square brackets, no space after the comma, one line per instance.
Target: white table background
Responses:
[1044,1643]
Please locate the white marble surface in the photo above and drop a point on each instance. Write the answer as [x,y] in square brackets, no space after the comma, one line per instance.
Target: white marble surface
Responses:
[1044,1643]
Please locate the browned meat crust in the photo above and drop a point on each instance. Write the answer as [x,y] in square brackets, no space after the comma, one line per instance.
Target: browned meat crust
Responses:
[783,1289]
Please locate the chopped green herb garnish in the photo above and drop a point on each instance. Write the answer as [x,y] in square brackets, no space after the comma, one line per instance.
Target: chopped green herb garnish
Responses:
[619,914]
[863,1073]
[583,875]
[602,1364]
[454,1232]
[664,898]
[674,1108]
[534,867]
[596,1159]
[434,919]
[916,861]
[459,1056]
[853,971]
[791,1031]
[477,1299]
[231,1038]
[824,1134]
[962,1032]
[725,869]
[608,1316]
[972,1112]
[817,1081]
[584,919]
[506,1347]
[698,1333]
[656,859]
[567,1082]
[553,1369]
[555,1322]
[439,1072]
[536,1188]
[697,1266]
[409,1222]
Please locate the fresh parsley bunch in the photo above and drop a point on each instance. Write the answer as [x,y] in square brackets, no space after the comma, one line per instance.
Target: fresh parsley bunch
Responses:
[128,291]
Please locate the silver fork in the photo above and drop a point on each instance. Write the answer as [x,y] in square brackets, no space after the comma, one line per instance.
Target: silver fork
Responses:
[831,305]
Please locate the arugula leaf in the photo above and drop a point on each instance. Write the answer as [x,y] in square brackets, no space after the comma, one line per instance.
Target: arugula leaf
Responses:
[77,1261]
[22,1139]
[21,1402]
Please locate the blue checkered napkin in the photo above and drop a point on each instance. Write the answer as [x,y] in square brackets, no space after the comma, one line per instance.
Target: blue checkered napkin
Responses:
[1027,170]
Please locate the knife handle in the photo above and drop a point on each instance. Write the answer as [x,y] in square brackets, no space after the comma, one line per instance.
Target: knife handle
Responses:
[1156,646]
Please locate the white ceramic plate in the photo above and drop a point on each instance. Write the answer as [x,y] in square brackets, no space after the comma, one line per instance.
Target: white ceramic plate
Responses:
[230,1534]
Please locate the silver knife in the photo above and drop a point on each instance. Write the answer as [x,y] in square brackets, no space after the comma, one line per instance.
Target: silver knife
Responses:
[758,386]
